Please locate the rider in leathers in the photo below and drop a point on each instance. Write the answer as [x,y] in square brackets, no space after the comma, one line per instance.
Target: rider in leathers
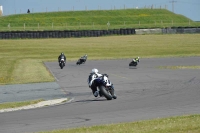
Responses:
[61,56]
[83,58]
[136,59]
[91,82]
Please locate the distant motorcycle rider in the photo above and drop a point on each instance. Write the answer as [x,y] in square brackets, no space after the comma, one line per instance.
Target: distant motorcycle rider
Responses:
[136,59]
[91,82]
[61,56]
[84,57]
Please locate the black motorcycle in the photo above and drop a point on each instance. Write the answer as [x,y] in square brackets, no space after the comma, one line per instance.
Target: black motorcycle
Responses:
[134,63]
[105,87]
[82,60]
[62,63]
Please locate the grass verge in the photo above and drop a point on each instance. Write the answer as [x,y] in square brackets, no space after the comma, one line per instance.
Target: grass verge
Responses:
[21,60]
[18,104]
[180,124]
[30,70]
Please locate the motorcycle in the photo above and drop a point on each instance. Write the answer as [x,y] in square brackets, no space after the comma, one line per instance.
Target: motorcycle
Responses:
[82,60]
[62,63]
[134,63]
[105,87]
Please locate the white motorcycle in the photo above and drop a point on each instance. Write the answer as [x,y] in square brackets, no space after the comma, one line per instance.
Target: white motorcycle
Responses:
[105,87]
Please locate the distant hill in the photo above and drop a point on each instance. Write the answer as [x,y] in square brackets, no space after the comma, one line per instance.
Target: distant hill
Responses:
[97,19]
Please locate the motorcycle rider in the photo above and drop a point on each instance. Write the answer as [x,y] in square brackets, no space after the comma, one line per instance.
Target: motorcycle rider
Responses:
[136,59]
[91,82]
[84,57]
[62,55]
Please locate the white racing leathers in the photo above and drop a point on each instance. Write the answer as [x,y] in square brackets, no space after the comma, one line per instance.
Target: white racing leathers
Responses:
[92,77]
[95,80]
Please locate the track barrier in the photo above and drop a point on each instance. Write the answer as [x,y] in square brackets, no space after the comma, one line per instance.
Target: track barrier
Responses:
[93,33]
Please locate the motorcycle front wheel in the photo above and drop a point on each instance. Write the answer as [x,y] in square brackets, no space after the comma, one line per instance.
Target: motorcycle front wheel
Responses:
[105,93]
[62,65]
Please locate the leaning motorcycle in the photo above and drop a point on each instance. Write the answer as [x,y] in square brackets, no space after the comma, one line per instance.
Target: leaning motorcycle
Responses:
[105,87]
[134,63]
[62,63]
[81,60]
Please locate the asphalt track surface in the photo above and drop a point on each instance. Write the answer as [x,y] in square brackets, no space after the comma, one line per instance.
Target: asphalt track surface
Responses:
[25,92]
[145,92]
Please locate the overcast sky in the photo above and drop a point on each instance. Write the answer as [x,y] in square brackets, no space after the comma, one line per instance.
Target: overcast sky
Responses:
[188,8]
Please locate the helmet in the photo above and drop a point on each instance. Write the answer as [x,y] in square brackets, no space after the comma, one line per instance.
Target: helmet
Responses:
[62,53]
[138,57]
[94,70]
[85,55]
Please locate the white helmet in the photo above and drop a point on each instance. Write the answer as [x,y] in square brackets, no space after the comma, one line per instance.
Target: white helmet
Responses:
[94,70]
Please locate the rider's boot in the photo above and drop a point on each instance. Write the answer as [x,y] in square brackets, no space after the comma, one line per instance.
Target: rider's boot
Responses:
[96,93]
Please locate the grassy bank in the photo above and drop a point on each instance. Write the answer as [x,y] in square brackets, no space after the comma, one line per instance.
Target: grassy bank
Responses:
[182,124]
[21,60]
[18,104]
[95,20]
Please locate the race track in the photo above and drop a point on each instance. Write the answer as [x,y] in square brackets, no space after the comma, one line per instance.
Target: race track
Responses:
[145,92]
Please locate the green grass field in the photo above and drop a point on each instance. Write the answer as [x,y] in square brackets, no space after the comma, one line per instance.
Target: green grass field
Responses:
[96,19]
[21,61]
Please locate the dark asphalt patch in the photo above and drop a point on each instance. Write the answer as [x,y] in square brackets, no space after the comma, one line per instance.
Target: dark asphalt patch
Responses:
[24,92]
